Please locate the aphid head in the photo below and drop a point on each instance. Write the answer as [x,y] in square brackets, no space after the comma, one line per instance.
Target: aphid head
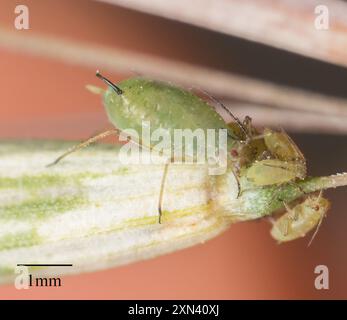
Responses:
[108,82]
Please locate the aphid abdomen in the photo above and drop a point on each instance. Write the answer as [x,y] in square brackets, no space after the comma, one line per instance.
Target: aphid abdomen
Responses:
[162,106]
[282,147]
[272,171]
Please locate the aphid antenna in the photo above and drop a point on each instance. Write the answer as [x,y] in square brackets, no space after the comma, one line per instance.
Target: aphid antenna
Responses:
[242,127]
[319,223]
[118,90]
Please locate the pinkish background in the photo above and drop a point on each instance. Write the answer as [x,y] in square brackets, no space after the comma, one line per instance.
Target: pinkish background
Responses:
[44,98]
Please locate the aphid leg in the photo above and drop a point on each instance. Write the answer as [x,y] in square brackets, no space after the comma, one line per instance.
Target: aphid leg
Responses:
[85,144]
[162,187]
[247,124]
[259,136]
[319,195]
[271,220]
[293,215]
[320,220]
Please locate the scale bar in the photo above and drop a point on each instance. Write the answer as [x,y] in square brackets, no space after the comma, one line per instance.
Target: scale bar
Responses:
[44,265]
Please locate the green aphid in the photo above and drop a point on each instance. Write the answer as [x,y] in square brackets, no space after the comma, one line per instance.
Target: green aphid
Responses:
[135,100]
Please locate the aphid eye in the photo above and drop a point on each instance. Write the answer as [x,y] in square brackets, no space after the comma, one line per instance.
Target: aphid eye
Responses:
[234,152]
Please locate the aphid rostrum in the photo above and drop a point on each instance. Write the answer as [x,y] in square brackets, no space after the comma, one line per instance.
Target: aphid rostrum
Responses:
[257,159]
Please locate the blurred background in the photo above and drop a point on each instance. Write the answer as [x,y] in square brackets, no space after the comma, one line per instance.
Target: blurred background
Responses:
[266,59]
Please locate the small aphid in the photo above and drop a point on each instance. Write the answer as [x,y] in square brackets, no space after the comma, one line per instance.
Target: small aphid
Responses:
[301,219]
[286,164]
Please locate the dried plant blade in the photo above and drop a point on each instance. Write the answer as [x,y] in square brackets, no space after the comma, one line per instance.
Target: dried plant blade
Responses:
[284,24]
[94,212]
[291,120]
[218,82]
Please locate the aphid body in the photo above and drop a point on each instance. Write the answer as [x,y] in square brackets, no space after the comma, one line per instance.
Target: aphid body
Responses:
[285,162]
[301,219]
[163,106]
